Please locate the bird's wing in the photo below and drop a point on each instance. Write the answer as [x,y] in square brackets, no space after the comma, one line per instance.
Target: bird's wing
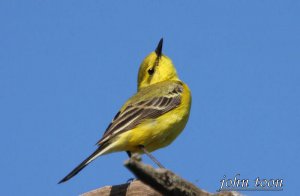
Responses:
[148,103]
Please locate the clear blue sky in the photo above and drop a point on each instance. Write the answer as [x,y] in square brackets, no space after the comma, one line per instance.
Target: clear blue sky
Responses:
[66,67]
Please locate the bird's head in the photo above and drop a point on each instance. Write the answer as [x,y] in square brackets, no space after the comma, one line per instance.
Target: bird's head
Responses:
[155,68]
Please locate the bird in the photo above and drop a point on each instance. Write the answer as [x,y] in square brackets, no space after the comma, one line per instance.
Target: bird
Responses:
[152,118]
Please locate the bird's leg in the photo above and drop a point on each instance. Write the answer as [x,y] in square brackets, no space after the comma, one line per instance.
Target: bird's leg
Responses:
[135,156]
[151,156]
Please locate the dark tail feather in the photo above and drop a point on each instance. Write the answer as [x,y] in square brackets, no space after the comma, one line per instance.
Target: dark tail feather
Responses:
[81,166]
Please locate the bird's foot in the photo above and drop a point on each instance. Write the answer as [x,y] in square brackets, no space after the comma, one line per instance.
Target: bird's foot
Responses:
[137,157]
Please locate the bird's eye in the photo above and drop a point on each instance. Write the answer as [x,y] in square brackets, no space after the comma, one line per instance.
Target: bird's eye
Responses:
[150,71]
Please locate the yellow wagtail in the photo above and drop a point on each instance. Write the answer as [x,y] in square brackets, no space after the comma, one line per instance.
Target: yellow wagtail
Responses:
[152,118]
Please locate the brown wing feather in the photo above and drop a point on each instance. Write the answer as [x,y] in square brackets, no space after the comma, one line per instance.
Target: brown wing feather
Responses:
[134,114]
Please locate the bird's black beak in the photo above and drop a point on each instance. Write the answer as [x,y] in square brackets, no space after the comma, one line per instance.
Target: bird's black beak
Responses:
[158,49]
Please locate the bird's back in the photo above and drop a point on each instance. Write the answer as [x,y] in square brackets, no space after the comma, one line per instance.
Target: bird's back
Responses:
[164,107]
